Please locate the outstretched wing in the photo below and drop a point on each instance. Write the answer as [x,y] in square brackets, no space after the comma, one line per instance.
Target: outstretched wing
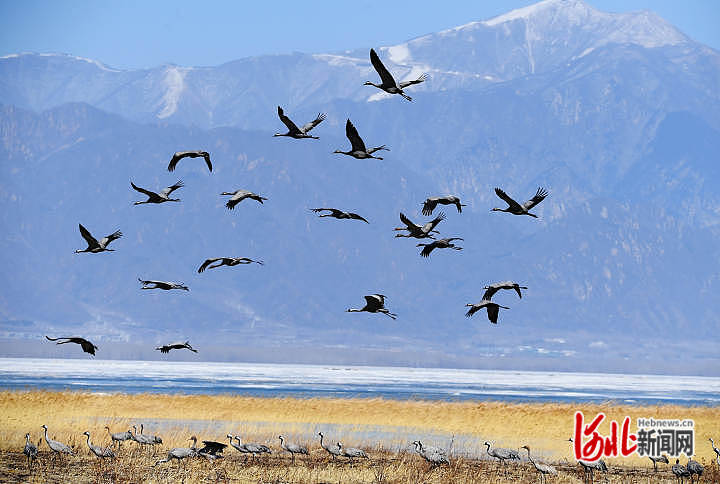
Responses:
[308,126]
[207,263]
[176,157]
[410,225]
[385,75]
[473,309]
[167,191]
[539,197]
[92,241]
[288,122]
[374,302]
[427,249]
[420,79]
[206,155]
[357,217]
[87,346]
[373,150]
[493,310]
[106,240]
[490,292]
[513,204]
[333,211]
[431,224]
[247,260]
[142,190]
[355,139]
[429,206]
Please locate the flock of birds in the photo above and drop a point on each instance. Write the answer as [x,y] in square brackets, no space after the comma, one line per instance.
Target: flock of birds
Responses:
[435,456]
[374,303]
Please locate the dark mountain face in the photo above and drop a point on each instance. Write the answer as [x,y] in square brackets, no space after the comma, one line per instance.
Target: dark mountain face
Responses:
[615,114]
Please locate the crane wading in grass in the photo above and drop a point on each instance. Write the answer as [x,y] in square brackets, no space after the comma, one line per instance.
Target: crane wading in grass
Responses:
[120,437]
[30,450]
[253,448]
[434,455]
[180,453]
[502,454]
[543,469]
[716,450]
[99,452]
[293,448]
[58,448]
[351,452]
[334,451]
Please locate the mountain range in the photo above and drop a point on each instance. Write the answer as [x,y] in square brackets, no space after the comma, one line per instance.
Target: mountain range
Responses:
[616,115]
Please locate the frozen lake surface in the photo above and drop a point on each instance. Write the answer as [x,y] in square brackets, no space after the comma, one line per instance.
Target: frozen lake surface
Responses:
[352,381]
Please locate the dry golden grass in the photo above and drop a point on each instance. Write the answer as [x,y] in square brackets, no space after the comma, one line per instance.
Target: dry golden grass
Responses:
[544,427]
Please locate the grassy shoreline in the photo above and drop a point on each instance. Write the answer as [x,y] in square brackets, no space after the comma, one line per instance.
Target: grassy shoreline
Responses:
[384,427]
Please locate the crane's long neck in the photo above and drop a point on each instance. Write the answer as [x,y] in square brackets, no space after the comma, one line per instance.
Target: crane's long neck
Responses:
[27,439]
[46,437]
[321,442]
[88,440]
[531,459]
[354,310]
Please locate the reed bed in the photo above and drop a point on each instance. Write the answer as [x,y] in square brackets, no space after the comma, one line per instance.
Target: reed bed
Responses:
[384,428]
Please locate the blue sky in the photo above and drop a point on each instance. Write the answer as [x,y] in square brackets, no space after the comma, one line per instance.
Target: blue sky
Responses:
[137,33]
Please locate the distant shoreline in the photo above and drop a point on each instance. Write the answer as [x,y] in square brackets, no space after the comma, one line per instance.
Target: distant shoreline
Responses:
[346,381]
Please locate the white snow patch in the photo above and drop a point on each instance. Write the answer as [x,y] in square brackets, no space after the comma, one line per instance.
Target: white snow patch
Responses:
[415,72]
[466,26]
[175,85]
[399,53]
[519,13]
[338,60]
[54,54]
